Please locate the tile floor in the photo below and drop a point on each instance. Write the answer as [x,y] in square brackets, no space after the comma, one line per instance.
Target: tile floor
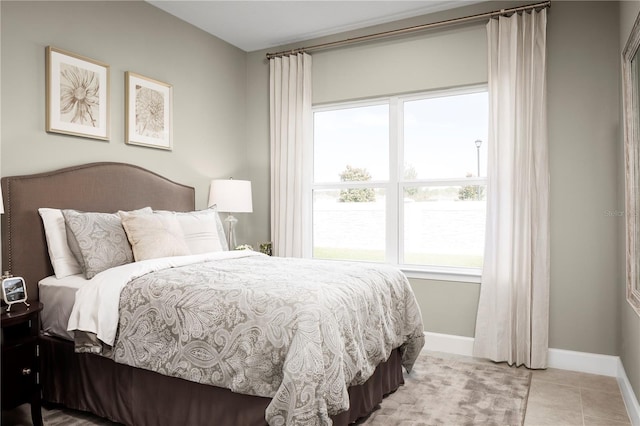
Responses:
[560,397]
[556,397]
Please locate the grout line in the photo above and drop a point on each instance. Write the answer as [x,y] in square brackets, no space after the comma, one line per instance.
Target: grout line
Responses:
[581,406]
[526,400]
[557,382]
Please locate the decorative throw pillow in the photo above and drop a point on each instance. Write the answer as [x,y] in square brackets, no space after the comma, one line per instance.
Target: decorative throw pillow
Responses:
[202,230]
[152,236]
[97,240]
[62,259]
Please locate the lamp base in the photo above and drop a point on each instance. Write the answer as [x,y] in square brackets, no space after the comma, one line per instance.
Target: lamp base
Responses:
[231,223]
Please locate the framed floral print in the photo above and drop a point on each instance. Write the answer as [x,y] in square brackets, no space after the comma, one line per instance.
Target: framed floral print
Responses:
[77,95]
[148,105]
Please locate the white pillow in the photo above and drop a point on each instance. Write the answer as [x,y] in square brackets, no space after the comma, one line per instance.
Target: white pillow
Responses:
[153,236]
[62,259]
[202,230]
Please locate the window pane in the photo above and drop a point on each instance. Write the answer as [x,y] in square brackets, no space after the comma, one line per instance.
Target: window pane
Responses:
[444,225]
[347,229]
[356,137]
[440,136]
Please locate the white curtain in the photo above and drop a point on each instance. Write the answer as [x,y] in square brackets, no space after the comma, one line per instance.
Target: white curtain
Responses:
[291,142]
[513,312]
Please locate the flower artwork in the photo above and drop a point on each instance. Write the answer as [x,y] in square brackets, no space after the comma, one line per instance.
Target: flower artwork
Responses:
[77,95]
[148,112]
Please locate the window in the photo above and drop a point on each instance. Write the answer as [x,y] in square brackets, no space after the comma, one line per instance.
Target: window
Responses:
[403,180]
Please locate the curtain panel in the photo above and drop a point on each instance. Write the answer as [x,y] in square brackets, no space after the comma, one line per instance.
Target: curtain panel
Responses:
[290,151]
[513,312]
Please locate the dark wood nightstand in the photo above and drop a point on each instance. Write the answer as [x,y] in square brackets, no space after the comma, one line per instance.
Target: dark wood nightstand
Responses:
[20,358]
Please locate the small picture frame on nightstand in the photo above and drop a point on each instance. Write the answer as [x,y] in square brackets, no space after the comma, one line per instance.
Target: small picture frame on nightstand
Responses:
[14,290]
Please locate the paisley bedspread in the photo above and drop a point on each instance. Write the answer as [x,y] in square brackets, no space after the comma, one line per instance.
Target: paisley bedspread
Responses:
[298,331]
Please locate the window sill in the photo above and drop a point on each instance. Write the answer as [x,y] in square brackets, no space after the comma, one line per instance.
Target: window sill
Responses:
[462,275]
[470,276]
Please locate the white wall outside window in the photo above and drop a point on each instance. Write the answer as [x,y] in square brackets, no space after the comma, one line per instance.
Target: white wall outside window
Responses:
[423,206]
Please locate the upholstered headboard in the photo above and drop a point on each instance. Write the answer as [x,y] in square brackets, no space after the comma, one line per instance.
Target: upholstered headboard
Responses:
[95,187]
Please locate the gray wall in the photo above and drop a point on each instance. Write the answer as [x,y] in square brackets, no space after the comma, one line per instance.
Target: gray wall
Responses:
[630,321]
[583,101]
[584,131]
[207,74]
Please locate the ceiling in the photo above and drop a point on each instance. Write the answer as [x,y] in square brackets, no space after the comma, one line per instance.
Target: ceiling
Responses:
[256,25]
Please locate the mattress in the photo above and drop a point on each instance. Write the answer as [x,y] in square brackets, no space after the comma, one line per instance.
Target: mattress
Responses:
[58,297]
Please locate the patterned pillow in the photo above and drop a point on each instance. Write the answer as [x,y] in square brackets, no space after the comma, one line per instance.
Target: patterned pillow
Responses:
[203,231]
[97,240]
[153,236]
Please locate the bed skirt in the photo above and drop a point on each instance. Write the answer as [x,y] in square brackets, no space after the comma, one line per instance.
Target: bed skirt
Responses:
[139,397]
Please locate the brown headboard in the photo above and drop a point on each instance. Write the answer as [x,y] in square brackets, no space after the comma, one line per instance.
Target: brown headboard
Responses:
[95,187]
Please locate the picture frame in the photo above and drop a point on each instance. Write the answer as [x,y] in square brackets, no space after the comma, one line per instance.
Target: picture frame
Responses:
[14,290]
[148,112]
[631,122]
[77,95]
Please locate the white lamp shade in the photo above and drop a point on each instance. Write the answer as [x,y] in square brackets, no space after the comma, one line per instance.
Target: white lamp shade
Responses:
[231,196]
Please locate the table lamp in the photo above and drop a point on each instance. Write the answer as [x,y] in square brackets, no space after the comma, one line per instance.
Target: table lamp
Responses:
[231,196]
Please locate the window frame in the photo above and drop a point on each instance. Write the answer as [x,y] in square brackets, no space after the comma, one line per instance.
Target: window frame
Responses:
[395,185]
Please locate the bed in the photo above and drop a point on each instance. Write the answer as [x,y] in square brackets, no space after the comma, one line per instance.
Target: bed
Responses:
[139,394]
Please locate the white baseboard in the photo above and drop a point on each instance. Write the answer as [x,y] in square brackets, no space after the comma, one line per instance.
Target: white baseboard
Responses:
[605,365]
[448,343]
[630,400]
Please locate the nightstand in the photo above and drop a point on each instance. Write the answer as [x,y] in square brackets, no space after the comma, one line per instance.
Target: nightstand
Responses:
[20,358]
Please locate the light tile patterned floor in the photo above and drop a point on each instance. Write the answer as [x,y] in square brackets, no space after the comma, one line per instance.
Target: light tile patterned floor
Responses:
[560,397]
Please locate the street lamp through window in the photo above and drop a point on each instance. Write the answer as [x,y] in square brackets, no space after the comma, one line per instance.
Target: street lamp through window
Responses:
[478,144]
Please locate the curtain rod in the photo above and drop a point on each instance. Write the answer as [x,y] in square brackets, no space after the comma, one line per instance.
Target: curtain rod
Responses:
[472,18]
